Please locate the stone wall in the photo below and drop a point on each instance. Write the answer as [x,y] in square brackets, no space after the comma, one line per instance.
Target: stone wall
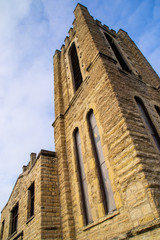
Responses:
[42,171]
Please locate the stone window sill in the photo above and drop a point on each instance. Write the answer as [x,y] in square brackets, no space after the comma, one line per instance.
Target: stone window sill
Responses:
[15,235]
[30,219]
[12,235]
[101,220]
[124,71]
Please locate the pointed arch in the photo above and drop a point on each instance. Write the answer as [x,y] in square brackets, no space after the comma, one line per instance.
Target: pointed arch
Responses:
[82,177]
[117,52]
[148,122]
[76,71]
[104,181]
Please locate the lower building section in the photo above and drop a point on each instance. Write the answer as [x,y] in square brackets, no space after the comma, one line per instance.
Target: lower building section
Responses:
[33,209]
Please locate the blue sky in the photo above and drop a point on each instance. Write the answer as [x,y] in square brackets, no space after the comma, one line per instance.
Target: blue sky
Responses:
[30,32]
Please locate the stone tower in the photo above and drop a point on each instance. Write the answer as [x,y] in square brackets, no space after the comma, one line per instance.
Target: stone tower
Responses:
[107,134]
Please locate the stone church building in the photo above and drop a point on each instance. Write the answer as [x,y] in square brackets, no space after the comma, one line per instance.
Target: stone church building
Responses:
[103,181]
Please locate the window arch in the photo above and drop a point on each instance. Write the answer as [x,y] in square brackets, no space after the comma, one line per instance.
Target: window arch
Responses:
[82,178]
[117,53]
[104,182]
[77,76]
[149,124]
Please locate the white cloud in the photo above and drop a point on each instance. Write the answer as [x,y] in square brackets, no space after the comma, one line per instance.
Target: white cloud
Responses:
[30,30]
[154,60]
[156,10]
[26,93]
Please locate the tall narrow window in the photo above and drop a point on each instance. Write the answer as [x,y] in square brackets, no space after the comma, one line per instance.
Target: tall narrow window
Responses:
[75,67]
[14,219]
[117,53]
[31,201]
[157,109]
[105,185]
[82,178]
[148,122]
[2,229]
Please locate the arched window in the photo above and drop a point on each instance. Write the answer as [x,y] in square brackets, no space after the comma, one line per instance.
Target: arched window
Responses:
[82,178]
[157,109]
[117,53]
[105,185]
[75,67]
[148,121]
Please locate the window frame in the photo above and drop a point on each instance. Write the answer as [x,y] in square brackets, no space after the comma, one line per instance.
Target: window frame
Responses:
[2,229]
[81,177]
[106,192]
[14,219]
[118,54]
[31,200]
[157,109]
[148,123]
[76,84]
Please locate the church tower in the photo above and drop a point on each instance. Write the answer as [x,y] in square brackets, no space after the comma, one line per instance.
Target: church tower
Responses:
[107,134]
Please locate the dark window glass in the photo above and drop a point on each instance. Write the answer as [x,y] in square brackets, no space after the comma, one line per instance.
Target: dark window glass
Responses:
[105,185]
[117,53]
[82,178]
[75,67]
[31,201]
[158,110]
[148,122]
[2,229]
[14,219]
